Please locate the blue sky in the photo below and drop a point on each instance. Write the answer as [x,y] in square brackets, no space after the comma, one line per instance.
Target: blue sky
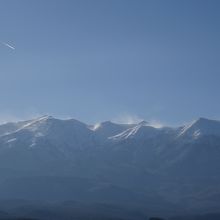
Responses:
[110,59]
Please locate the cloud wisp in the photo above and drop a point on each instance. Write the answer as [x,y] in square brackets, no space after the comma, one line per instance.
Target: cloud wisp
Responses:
[127,119]
[135,119]
[8,45]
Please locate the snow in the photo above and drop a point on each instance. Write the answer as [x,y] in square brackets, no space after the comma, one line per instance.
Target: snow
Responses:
[186,127]
[11,140]
[142,130]
[200,127]
[108,129]
[35,123]
[96,126]
[33,144]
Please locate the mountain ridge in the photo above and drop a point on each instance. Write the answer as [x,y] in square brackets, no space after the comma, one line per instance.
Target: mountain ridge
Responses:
[178,166]
[200,122]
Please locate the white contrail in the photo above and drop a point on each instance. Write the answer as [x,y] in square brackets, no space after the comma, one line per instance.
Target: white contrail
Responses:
[8,45]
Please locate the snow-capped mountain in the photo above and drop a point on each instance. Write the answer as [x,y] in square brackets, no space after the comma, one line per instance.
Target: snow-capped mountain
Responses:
[107,129]
[139,131]
[201,127]
[52,128]
[179,165]
[57,132]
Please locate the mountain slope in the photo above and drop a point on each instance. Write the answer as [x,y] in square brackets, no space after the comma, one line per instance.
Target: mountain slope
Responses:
[201,127]
[107,129]
[135,164]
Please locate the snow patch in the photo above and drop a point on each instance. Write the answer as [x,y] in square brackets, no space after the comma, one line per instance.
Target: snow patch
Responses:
[11,140]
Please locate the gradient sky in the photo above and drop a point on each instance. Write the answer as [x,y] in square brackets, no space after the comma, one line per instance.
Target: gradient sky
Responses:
[97,60]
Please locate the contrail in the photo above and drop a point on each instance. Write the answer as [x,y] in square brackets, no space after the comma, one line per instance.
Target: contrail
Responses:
[8,45]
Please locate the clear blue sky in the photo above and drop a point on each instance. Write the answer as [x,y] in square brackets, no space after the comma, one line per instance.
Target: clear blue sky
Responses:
[98,60]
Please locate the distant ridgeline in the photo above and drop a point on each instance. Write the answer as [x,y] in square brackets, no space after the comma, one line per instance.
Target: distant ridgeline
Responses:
[126,168]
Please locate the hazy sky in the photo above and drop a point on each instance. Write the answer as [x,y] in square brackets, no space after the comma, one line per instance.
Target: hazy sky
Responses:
[98,60]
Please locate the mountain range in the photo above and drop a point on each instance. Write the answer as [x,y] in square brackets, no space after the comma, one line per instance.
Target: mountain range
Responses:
[164,171]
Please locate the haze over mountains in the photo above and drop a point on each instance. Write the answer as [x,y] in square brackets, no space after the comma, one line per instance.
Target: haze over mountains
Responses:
[165,171]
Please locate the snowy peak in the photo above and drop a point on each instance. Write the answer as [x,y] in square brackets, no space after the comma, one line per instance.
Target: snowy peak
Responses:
[12,127]
[35,123]
[105,124]
[107,129]
[46,122]
[207,122]
[140,131]
[200,127]
[47,129]
[143,123]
